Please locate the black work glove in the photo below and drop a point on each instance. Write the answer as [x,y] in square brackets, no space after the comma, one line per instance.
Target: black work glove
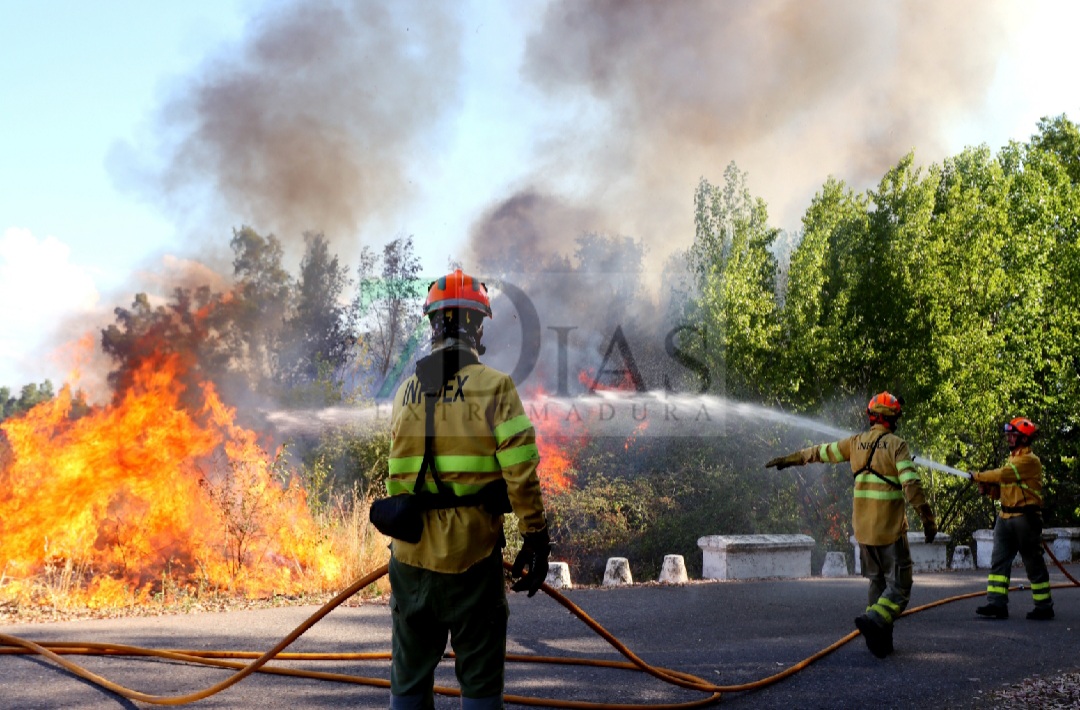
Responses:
[782,462]
[929,524]
[534,557]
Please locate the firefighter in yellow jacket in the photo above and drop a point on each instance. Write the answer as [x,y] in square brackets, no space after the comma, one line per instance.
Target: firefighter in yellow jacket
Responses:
[885,477]
[1018,485]
[467,421]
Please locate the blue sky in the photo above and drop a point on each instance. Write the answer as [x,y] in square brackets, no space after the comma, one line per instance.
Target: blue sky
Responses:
[87,91]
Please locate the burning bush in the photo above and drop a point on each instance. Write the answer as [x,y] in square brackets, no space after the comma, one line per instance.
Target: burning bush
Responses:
[149,487]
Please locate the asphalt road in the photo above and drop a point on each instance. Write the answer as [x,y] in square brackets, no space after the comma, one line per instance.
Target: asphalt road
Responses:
[724,632]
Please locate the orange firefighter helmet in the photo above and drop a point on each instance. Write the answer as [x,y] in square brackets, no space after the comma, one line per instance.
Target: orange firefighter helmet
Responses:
[1024,427]
[458,290]
[884,408]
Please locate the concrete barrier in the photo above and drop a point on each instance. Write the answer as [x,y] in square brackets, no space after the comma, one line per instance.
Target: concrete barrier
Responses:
[984,547]
[755,556]
[673,570]
[924,557]
[558,576]
[617,573]
[835,565]
[1066,544]
[962,558]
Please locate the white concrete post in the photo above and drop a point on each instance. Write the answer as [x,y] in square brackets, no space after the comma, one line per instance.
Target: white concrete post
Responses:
[674,570]
[835,565]
[984,547]
[558,576]
[617,573]
[961,558]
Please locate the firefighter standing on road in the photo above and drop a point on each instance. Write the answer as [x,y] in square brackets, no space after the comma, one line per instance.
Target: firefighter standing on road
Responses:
[1018,528]
[884,477]
[483,447]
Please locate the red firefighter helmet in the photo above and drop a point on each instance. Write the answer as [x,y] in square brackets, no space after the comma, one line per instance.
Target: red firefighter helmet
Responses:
[458,290]
[884,408]
[1024,427]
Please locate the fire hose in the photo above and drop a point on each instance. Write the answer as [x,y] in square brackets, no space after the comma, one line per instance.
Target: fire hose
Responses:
[56,650]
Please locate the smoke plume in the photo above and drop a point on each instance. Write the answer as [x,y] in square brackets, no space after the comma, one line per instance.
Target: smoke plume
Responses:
[312,123]
[791,92]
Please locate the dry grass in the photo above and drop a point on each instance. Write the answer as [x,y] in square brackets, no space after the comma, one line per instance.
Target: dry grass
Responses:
[362,547]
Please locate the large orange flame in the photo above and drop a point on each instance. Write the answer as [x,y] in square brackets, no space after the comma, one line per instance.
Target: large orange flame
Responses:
[146,489]
[559,440]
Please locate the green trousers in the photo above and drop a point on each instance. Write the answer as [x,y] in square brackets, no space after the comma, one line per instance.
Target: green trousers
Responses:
[428,607]
[888,567]
[1023,534]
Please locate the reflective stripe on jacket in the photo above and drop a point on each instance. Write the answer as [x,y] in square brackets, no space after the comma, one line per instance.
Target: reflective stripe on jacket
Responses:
[1020,479]
[481,434]
[878,511]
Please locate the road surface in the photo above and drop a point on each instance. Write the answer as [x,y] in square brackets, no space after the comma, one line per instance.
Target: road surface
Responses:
[724,632]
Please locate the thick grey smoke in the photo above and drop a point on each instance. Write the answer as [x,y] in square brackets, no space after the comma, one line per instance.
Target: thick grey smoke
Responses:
[790,91]
[670,92]
[312,123]
[321,116]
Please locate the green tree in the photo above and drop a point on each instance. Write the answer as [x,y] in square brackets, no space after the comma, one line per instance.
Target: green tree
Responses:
[952,372]
[29,397]
[1060,137]
[735,271]
[389,297]
[263,295]
[818,327]
[1044,263]
[317,334]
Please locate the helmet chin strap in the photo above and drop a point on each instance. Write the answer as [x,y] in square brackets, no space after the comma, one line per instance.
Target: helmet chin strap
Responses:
[450,332]
[887,422]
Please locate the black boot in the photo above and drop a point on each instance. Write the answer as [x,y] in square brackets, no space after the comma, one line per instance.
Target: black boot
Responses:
[878,639]
[1041,613]
[993,611]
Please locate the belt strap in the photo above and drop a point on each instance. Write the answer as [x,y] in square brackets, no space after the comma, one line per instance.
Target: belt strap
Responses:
[1021,509]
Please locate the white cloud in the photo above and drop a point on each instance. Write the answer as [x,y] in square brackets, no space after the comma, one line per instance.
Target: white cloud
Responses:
[39,290]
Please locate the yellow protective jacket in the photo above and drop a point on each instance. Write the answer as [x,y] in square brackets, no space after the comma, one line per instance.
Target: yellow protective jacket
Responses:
[878,510]
[481,434]
[1020,480]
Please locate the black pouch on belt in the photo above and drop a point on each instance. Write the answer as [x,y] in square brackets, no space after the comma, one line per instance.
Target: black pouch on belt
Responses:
[399,517]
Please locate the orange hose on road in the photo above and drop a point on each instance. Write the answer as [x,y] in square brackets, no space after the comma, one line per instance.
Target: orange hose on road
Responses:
[259,663]
[55,650]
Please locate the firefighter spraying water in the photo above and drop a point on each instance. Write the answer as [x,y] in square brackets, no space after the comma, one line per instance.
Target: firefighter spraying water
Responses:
[885,477]
[1018,528]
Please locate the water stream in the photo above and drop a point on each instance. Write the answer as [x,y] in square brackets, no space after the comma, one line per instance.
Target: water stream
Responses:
[607,413]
